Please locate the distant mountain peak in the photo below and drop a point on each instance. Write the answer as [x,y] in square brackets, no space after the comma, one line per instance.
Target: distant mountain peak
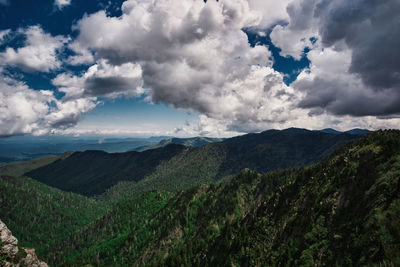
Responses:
[188,141]
[356,131]
[330,131]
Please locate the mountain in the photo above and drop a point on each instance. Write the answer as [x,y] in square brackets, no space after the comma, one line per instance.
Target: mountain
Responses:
[356,131]
[40,215]
[176,167]
[273,149]
[22,148]
[193,141]
[330,131]
[105,236]
[20,167]
[191,167]
[343,211]
[92,172]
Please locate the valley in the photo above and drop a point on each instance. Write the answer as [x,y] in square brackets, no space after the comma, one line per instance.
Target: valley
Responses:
[292,197]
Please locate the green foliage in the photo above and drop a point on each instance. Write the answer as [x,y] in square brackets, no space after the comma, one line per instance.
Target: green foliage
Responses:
[190,168]
[92,172]
[270,150]
[39,215]
[176,167]
[19,168]
[3,257]
[193,141]
[344,211]
[100,242]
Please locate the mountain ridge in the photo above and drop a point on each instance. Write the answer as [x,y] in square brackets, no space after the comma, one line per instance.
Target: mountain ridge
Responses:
[190,141]
[92,171]
[343,211]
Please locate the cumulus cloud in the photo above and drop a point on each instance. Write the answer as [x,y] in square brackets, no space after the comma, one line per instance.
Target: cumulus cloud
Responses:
[60,4]
[272,12]
[24,110]
[3,35]
[295,36]
[27,111]
[354,62]
[82,56]
[39,53]
[192,55]
[329,86]
[371,30]
[102,80]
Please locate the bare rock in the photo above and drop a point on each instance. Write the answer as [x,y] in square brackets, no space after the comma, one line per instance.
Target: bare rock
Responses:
[14,255]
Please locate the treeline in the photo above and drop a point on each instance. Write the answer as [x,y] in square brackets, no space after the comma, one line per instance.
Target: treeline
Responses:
[344,211]
[38,215]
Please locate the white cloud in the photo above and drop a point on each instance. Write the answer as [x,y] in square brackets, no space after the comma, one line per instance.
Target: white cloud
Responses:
[39,53]
[20,108]
[27,111]
[139,130]
[354,67]
[272,12]
[60,4]
[329,86]
[3,35]
[102,80]
[294,37]
[82,56]
[193,55]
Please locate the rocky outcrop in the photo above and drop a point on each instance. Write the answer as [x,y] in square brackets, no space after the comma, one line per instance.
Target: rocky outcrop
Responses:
[13,255]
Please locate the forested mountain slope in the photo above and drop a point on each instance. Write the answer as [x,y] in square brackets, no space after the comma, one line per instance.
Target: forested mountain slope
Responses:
[274,149]
[174,167]
[192,141]
[92,172]
[40,215]
[344,211]
[20,167]
[263,152]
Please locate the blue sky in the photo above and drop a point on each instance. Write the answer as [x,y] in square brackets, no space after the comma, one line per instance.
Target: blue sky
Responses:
[194,68]
[122,111]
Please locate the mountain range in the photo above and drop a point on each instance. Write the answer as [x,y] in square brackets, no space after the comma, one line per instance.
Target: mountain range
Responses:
[24,148]
[292,197]
[94,172]
[193,141]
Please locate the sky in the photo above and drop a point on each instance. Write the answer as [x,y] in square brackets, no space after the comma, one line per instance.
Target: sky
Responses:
[193,67]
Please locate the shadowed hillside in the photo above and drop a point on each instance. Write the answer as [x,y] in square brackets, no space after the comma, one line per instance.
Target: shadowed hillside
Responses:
[266,151]
[273,149]
[193,141]
[175,167]
[344,211]
[40,215]
[92,172]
